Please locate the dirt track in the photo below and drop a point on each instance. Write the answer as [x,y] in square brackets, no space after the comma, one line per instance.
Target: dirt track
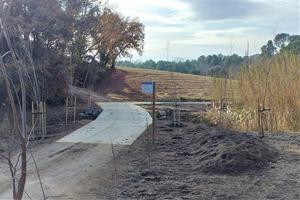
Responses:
[65,170]
[66,166]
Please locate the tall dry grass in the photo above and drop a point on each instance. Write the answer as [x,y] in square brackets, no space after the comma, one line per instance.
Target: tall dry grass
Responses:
[265,84]
[274,84]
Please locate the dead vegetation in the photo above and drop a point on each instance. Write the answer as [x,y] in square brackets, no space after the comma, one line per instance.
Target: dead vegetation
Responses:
[265,95]
[273,84]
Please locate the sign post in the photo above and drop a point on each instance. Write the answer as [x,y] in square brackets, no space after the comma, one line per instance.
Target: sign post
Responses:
[149,88]
[153,113]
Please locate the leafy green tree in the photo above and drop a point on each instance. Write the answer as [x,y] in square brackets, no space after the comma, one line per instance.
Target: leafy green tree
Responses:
[281,40]
[293,45]
[269,49]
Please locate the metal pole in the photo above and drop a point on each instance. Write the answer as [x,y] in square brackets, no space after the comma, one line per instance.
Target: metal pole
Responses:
[153,114]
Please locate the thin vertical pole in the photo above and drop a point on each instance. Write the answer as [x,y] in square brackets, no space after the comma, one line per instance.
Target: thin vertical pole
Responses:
[75,102]
[67,107]
[32,118]
[41,120]
[179,112]
[45,119]
[153,113]
[174,98]
[90,99]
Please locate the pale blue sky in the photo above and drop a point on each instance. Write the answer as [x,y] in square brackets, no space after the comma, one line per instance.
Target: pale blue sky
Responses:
[202,27]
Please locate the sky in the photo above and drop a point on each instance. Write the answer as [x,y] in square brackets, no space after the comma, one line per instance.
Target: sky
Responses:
[187,29]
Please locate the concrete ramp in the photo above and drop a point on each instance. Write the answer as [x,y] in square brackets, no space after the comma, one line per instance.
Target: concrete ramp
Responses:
[121,123]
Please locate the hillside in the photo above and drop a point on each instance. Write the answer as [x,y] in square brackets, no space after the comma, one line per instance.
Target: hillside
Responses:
[126,82]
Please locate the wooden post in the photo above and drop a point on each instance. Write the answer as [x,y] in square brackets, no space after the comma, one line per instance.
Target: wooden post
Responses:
[74,109]
[90,99]
[43,114]
[261,119]
[67,109]
[153,114]
[40,111]
[45,119]
[32,118]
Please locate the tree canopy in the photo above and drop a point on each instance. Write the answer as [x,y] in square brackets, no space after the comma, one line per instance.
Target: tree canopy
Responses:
[281,43]
[69,41]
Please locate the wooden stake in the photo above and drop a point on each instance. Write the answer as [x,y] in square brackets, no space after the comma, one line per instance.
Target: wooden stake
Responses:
[90,99]
[67,109]
[45,118]
[32,118]
[74,109]
[40,119]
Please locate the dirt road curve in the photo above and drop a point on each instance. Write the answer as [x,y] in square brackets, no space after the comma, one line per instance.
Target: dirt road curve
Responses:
[67,166]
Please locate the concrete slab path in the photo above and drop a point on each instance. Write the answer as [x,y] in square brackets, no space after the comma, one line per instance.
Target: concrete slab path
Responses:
[119,123]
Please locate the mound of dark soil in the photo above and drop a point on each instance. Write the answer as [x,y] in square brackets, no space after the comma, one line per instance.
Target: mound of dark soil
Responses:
[227,152]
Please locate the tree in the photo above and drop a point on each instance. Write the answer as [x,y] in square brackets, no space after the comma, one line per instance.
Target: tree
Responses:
[293,45]
[18,137]
[269,49]
[131,38]
[117,36]
[84,15]
[281,40]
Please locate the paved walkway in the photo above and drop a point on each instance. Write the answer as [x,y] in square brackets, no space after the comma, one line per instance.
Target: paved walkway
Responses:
[119,123]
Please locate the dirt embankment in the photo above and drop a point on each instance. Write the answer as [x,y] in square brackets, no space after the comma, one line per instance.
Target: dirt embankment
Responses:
[204,162]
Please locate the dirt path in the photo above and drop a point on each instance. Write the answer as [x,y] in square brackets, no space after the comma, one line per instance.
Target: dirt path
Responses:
[70,168]
[85,93]
[66,166]
[64,169]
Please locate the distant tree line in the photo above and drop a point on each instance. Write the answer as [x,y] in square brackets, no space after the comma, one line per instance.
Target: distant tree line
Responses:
[204,65]
[220,65]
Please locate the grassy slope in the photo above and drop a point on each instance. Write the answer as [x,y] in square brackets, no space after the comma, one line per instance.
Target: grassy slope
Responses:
[126,83]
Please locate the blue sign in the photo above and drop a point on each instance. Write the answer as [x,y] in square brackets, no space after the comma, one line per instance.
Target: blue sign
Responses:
[147,87]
